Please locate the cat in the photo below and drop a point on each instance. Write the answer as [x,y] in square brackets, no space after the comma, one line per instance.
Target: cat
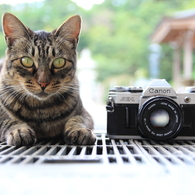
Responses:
[39,91]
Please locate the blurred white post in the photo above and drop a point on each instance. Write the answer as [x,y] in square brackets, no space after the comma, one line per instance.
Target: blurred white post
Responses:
[176,73]
[188,54]
[89,90]
[154,60]
[86,76]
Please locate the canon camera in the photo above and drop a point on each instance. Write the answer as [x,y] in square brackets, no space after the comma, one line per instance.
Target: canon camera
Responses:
[157,112]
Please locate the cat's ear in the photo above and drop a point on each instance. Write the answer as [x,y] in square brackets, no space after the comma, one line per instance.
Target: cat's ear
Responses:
[70,29]
[13,28]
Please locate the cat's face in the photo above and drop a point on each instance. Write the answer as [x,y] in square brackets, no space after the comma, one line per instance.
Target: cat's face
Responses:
[39,63]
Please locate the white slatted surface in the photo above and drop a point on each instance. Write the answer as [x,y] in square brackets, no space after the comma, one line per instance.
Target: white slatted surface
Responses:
[108,167]
[105,151]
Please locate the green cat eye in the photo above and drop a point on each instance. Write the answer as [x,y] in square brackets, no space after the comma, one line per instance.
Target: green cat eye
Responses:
[27,62]
[59,63]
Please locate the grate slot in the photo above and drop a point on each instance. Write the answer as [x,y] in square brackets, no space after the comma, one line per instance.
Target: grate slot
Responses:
[108,142]
[99,142]
[190,142]
[77,150]
[115,142]
[110,150]
[190,149]
[30,160]
[125,159]
[3,143]
[8,151]
[174,151]
[4,148]
[17,160]
[89,150]
[112,160]
[99,150]
[186,151]
[187,160]
[149,150]
[30,151]
[139,159]
[19,151]
[72,151]
[42,150]
[161,150]
[173,161]
[132,150]
[66,150]
[125,142]
[160,160]
[5,160]
[53,151]
[121,150]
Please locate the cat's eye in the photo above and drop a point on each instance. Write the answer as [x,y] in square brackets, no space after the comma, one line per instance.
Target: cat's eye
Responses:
[27,62]
[59,63]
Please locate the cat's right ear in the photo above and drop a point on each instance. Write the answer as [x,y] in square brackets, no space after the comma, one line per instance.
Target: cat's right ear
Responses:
[13,28]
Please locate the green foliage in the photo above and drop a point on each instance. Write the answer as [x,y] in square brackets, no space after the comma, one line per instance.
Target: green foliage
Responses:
[166,63]
[2,45]
[116,31]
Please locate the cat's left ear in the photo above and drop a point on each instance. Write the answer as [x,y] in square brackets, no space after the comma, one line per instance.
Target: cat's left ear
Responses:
[70,29]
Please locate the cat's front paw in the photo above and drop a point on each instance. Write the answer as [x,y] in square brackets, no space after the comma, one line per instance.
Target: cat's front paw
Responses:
[80,136]
[21,137]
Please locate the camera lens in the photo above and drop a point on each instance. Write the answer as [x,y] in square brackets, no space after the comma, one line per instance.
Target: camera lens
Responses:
[160,118]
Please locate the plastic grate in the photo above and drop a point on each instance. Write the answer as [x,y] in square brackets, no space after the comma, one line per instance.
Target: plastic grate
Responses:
[105,151]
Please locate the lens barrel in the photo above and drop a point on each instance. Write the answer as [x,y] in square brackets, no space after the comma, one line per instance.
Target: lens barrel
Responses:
[160,118]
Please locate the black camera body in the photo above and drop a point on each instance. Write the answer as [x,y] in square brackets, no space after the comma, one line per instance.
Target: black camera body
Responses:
[158,112]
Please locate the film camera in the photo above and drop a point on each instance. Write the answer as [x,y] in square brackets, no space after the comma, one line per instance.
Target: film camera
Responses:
[158,112]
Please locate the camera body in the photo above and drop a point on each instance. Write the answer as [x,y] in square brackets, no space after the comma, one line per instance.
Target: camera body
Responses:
[158,112]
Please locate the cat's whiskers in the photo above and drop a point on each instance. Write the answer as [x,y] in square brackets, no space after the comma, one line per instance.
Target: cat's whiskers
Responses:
[23,97]
[9,94]
[60,95]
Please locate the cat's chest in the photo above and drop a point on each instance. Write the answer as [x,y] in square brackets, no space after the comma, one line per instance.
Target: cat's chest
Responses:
[44,114]
[40,114]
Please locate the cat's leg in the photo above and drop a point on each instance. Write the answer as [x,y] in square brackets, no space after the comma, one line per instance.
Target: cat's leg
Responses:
[18,134]
[78,130]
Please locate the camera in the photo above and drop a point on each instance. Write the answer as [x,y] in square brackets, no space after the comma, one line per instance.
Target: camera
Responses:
[157,112]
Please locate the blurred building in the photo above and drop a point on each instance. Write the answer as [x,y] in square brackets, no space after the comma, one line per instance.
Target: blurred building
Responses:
[179,31]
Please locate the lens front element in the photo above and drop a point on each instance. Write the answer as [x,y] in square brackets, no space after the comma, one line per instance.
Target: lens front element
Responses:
[160,118]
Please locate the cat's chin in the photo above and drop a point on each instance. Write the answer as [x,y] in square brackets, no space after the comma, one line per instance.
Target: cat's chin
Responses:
[42,95]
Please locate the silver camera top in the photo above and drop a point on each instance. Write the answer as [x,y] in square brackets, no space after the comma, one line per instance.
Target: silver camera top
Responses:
[157,87]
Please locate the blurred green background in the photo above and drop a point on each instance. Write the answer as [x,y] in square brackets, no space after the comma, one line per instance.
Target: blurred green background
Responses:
[117,32]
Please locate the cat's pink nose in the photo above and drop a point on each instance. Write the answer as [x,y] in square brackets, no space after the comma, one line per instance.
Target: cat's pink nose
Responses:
[43,85]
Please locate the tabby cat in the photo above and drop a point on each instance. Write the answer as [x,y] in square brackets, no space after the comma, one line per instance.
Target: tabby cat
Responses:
[39,92]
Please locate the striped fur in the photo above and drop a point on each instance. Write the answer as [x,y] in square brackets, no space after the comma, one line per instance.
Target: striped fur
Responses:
[41,101]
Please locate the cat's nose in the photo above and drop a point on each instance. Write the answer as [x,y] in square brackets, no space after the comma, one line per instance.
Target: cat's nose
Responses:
[43,85]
